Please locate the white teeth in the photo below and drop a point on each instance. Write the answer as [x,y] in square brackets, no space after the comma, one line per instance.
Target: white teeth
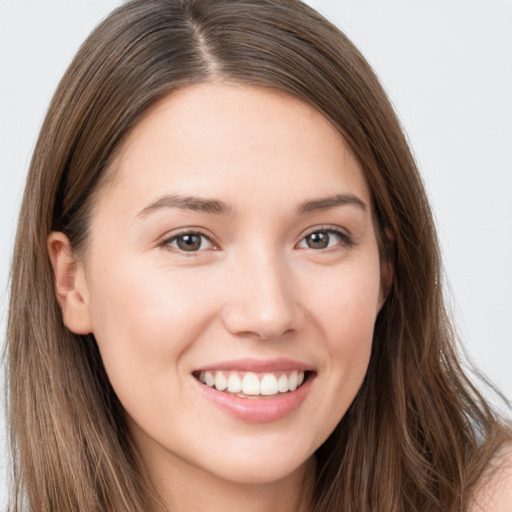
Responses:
[234,383]
[251,384]
[221,383]
[282,384]
[292,381]
[209,379]
[269,384]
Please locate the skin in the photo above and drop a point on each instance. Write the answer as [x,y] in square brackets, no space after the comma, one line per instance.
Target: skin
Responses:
[494,491]
[254,289]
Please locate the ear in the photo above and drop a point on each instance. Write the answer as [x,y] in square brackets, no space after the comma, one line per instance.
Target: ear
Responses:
[386,268]
[386,280]
[70,284]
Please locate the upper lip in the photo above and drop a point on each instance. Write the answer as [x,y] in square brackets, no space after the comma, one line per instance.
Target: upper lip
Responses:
[257,365]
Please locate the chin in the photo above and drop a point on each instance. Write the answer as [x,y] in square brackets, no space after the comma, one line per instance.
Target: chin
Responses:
[244,470]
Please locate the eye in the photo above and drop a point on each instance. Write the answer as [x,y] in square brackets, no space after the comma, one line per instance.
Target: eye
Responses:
[323,239]
[188,242]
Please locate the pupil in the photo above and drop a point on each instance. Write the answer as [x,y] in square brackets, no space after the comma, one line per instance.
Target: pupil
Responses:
[318,240]
[189,242]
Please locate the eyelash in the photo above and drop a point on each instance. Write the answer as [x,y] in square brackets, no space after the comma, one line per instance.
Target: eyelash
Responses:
[166,242]
[345,239]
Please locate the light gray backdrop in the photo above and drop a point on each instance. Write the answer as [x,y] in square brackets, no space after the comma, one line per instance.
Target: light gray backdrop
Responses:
[447,65]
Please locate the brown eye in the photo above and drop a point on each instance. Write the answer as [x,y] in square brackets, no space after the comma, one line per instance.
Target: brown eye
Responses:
[189,242]
[324,239]
[318,240]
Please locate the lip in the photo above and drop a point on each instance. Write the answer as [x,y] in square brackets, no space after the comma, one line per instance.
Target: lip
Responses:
[258,410]
[258,365]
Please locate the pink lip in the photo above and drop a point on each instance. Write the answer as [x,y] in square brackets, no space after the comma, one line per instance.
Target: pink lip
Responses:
[258,365]
[258,410]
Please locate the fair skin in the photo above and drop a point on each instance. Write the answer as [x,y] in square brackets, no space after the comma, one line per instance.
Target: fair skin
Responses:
[494,491]
[280,275]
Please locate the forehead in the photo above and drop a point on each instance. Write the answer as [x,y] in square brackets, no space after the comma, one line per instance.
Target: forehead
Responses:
[237,142]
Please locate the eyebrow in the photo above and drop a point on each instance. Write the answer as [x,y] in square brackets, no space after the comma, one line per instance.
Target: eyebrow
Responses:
[214,206]
[193,203]
[326,203]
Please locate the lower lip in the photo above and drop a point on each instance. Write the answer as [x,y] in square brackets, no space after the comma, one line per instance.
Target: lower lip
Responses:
[258,410]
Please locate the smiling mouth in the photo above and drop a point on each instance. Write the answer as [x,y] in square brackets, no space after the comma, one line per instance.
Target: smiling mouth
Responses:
[253,384]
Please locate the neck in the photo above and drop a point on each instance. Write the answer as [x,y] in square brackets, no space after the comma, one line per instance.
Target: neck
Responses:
[186,489]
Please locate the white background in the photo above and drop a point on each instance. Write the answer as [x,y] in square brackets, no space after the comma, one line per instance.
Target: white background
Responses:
[447,66]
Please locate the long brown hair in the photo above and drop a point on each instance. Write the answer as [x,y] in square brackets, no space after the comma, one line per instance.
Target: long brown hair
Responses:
[417,436]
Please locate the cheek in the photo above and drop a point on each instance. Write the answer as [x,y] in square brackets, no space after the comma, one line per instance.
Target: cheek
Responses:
[144,317]
[344,309]
[354,313]
[345,304]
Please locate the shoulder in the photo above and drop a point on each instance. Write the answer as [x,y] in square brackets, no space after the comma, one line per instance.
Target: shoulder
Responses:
[494,492]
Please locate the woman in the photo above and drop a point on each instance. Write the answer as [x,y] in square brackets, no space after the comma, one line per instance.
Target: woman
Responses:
[226,283]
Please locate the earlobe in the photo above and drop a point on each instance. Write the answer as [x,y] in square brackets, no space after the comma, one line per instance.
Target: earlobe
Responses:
[386,281]
[386,267]
[70,284]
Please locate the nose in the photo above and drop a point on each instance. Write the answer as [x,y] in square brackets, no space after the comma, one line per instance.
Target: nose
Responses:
[261,303]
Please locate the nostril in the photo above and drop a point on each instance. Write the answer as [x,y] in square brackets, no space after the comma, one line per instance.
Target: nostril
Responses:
[265,334]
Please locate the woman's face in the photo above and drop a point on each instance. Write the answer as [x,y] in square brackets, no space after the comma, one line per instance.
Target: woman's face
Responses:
[234,244]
